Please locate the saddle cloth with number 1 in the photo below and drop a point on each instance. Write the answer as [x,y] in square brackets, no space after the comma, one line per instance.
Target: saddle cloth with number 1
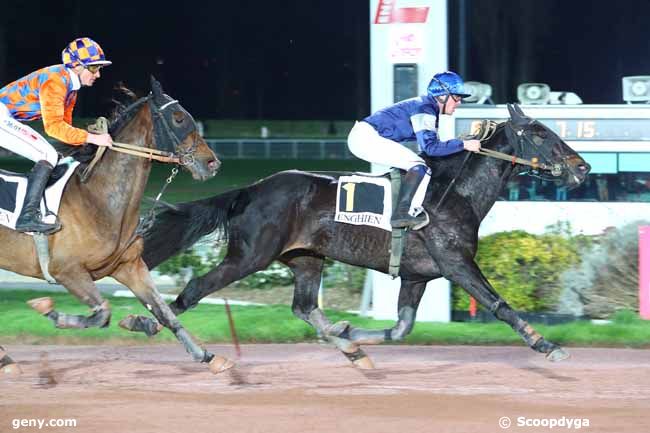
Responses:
[364,200]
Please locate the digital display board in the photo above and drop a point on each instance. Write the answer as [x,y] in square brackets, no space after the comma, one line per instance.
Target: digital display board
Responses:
[590,129]
[621,127]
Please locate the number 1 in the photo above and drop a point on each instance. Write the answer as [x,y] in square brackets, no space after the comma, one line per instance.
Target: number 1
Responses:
[349,197]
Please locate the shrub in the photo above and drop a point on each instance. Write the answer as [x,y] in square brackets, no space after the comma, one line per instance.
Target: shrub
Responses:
[523,268]
[606,280]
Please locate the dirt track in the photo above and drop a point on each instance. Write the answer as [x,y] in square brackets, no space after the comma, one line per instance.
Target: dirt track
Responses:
[311,388]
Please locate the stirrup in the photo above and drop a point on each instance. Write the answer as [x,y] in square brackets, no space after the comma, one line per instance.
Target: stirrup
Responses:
[424,223]
[410,222]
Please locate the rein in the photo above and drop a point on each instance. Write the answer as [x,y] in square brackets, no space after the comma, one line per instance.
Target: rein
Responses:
[146,152]
[487,130]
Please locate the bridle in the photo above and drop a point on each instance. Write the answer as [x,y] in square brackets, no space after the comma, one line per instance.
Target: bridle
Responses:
[517,134]
[520,136]
[168,139]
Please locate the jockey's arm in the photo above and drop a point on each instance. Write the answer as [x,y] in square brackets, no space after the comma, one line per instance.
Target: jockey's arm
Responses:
[430,143]
[56,119]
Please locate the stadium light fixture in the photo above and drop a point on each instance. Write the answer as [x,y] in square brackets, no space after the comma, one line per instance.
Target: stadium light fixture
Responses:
[533,93]
[564,98]
[636,89]
[480,92]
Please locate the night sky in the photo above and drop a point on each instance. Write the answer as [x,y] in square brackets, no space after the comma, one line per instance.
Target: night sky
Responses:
[309,59]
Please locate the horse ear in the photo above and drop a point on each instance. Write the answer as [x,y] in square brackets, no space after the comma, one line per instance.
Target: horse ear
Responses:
[519,110]
[156,89]
[513,113]
[517,116]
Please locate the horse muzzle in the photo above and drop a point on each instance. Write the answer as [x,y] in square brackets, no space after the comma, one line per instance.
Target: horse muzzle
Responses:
[577,170]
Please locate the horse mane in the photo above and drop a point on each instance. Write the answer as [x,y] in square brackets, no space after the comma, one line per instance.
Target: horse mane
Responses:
[445,168]
[124,102]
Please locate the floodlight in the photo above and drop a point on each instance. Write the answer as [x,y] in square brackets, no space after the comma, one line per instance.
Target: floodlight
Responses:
[533,93]
[636,89]
[564,98]
[480,92]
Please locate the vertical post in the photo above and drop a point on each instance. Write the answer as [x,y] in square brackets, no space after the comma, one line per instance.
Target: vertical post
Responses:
[644,272]
[472,307]
[320,294]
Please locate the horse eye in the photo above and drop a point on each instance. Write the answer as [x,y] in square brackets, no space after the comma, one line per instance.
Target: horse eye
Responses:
[538,140]
[179,118]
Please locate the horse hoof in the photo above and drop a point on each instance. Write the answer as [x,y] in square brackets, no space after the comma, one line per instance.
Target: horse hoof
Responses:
[557,355]
[337,328]
[42,305]
[220,364]
[140,324]
[12,369]
[364,363]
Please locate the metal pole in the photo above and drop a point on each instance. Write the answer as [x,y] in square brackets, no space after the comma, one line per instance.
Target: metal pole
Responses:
[463,29]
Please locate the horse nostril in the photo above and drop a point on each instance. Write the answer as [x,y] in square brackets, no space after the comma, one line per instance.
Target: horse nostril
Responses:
[213,164]
[584,168]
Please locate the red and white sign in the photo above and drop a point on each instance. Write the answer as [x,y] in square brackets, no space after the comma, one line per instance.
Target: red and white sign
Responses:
[406,44]
[389,13]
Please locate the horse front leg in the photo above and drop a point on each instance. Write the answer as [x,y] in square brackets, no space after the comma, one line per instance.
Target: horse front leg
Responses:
[465,272]
[135,276]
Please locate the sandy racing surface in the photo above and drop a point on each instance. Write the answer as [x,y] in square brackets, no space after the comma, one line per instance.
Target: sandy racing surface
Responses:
[312,388]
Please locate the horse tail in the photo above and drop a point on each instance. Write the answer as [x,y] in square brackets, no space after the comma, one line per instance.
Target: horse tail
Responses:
[180,226]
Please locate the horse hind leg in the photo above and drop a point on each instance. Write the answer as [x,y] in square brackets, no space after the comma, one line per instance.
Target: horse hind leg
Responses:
[83,288]
[307,271]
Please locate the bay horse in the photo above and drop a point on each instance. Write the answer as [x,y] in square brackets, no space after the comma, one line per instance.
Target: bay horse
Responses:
[289,217]
[100,218]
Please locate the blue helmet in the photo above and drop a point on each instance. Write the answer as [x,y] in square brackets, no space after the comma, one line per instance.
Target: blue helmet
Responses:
[447,83]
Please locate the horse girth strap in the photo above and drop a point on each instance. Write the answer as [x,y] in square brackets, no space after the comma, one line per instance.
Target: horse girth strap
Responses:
[397,234]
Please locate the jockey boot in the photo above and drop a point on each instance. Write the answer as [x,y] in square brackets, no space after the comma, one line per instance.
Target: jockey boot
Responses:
[30,219]
[410,184]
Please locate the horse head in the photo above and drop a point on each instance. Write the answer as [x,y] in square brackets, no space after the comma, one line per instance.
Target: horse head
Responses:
[534,141]
[175,131]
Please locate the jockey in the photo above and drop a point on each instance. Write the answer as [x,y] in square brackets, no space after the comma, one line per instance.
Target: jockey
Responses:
[378,139]
[49,93]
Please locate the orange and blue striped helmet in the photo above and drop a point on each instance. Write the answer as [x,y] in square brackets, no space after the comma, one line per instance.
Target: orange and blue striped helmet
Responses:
[84,52]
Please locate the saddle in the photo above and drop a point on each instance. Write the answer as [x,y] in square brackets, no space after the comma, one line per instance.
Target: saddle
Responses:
[369,200]
[14,185]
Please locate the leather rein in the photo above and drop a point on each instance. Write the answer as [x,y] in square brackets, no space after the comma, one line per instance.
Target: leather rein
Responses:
[487,129]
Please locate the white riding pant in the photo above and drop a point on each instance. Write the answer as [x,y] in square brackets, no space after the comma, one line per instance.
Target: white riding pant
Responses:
[365,143]
[23,140]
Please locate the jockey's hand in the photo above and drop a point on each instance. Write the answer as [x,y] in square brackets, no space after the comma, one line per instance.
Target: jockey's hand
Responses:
[472,145]
[100,140]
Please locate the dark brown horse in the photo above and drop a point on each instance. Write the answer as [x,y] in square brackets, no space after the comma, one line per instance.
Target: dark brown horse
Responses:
[289,217]
[100,218]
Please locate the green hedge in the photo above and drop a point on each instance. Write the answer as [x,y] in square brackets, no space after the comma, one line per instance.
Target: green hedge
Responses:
[524,268]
